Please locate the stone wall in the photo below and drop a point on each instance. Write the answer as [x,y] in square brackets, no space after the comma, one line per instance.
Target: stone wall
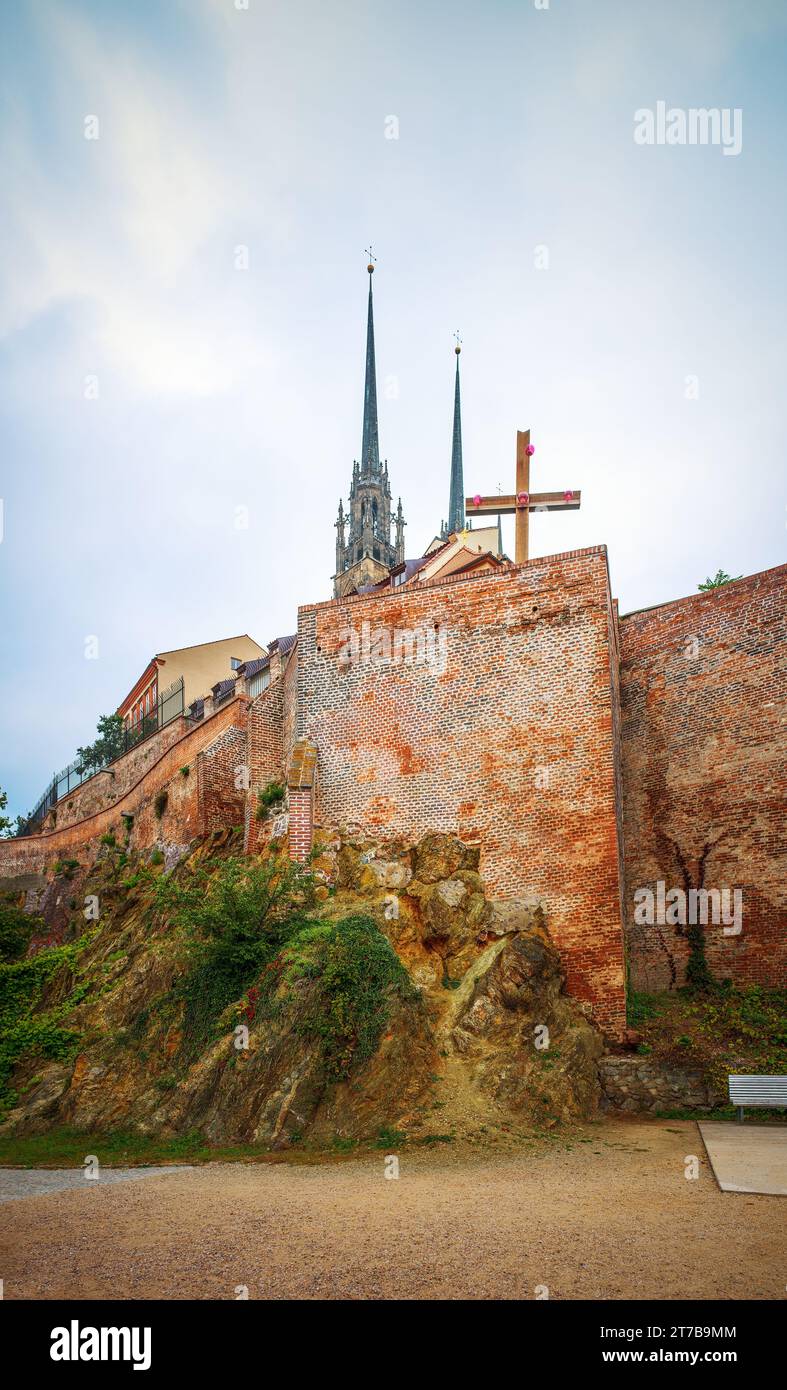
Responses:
[637,1085]
[704,745]
[495,722]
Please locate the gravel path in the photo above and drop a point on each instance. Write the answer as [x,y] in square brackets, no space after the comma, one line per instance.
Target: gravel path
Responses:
[611,1217]
[16,1183]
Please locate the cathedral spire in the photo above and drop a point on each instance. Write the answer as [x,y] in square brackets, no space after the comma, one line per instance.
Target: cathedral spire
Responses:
[370,448]
[456,504]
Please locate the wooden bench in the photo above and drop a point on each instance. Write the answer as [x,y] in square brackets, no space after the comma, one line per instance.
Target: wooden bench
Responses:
[760,1092]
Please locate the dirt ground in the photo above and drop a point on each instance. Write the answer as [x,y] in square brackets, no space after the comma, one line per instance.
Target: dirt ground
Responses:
[607,1213]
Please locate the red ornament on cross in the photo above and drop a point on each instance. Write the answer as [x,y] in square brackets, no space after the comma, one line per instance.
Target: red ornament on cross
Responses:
[522,502]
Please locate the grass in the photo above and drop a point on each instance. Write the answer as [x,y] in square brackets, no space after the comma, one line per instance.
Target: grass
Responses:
[67,1148]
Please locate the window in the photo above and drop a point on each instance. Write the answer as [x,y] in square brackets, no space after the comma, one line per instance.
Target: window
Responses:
[235,662]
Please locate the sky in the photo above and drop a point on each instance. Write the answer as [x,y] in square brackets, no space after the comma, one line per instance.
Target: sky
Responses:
[183,305]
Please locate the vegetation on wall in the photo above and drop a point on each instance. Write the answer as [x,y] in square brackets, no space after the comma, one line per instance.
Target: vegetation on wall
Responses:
[268,797]
[719,578]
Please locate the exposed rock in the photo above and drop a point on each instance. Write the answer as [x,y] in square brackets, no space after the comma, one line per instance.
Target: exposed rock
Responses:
[439,856]
[488,1016]
[515,915]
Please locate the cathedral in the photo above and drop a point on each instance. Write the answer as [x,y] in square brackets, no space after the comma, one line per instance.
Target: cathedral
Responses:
[364,551]
[366,556]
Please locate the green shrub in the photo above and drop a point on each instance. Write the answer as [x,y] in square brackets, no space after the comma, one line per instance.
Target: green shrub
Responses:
[25,1029]
[157,857]
[236,914]
[66,867]
[185,770]
[270,796]
[108,840]
[355,974]
[16,929]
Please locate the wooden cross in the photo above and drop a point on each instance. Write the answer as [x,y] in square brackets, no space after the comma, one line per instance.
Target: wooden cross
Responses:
[523,501]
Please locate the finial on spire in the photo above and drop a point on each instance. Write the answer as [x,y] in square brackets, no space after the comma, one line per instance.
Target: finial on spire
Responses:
[458,347]
[372,259]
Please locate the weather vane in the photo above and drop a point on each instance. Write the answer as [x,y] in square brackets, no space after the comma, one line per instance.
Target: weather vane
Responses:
[372,259]
[458,347]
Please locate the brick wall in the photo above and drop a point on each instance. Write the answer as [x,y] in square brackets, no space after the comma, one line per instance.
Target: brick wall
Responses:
[179,824]
[220,765]
[108,787]
[503,734]
[704,745]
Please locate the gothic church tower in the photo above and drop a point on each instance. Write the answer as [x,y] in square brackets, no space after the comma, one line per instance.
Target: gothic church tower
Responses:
[456,501]
[364,553]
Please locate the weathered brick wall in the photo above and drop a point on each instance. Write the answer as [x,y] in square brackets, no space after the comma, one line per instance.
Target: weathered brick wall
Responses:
[504,737]
[109,786]
[265,756]
[180,822]
[222,793]
[704,742]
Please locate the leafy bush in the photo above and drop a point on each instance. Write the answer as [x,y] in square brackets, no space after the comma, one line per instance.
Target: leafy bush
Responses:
[237,914]
[356,974]
[24,1030]
[270,796]
[109,840]
[108,746]
[157,857]
[16,929]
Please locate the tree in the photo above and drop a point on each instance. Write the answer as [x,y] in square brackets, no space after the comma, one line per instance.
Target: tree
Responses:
[6,824]
[718,579]
[108,746]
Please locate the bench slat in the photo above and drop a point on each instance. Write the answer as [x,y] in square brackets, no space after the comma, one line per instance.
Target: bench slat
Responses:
[758,1091]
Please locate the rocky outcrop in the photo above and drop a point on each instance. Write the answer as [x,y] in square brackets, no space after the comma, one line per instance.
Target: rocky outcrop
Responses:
[484,1017]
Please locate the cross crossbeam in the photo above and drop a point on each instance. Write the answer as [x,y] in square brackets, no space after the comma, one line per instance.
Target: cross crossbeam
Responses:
[522,502]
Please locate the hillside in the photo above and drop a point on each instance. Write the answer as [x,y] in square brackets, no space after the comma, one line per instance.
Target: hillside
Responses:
[246,1001]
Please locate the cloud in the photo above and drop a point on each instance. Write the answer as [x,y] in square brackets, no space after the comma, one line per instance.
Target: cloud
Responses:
[135,226]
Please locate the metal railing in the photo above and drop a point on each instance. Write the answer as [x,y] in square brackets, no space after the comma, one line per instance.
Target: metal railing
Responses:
[168,707]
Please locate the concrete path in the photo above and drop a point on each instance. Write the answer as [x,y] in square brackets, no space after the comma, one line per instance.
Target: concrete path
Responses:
[747,1157]
[16,1183]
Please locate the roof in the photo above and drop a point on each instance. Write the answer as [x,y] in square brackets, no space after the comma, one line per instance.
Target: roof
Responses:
[222,689]
[193,646]
[252,668]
